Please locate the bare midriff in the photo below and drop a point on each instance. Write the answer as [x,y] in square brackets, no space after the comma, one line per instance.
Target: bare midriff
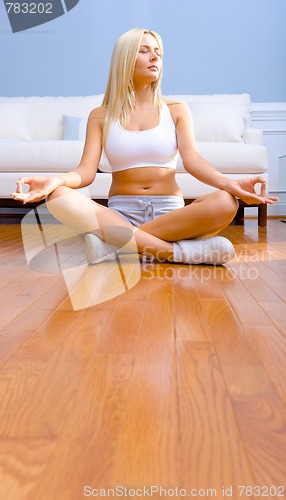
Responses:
[145,181]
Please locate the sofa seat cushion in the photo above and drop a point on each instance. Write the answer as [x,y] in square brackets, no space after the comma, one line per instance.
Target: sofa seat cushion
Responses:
[231,158]
[40,156]
[63,156]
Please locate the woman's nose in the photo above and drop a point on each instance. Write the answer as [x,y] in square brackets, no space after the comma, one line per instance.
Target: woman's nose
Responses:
[154,56]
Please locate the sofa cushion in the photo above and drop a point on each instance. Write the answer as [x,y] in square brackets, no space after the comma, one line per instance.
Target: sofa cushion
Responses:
[230,99]
[45,114]
[13,121]
[74,128]
[44,156]
[40,156]
[231,158]
[218,122]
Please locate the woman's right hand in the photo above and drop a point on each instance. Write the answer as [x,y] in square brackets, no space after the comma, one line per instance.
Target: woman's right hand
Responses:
[39,188]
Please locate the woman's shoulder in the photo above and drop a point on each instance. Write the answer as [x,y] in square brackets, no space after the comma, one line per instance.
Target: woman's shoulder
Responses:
[177,108]
[98,113]
[171,102]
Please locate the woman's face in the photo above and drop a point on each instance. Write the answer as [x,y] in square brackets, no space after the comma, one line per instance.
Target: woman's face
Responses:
[148,63]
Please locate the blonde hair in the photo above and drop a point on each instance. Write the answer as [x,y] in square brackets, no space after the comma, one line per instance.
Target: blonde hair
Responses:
[119,97]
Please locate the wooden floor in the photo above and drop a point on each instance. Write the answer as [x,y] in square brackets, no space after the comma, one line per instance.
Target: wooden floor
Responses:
[179,383]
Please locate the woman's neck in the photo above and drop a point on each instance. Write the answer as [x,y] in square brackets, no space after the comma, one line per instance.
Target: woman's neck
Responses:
[144,96]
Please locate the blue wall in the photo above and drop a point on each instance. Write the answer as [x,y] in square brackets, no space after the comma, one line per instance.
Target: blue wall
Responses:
[211,46]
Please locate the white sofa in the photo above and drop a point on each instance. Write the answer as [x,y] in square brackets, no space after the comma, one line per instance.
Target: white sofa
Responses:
[42,136]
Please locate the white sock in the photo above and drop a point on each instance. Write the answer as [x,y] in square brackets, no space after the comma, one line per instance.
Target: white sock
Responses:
[177,253]
[212,250]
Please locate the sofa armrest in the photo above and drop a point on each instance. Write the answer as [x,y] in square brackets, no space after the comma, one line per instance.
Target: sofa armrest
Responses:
[252,136]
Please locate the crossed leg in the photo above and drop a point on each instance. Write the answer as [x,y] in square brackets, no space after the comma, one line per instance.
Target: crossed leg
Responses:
[203,218]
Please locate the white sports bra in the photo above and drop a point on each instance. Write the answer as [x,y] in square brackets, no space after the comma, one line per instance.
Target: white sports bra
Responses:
[155,147]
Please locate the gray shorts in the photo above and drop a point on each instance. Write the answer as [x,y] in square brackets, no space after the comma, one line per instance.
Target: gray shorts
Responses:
[140,209]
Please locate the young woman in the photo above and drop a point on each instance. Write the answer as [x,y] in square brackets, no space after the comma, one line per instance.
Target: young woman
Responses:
[142,135]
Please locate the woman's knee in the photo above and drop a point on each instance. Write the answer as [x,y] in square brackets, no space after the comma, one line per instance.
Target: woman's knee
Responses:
[62,200]
[73,209]
[59,191]
[226,202]
[223,208]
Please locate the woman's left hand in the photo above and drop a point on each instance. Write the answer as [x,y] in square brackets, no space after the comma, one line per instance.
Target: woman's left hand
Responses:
[244,189]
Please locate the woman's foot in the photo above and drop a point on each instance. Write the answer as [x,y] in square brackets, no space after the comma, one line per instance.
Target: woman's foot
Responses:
[216,250]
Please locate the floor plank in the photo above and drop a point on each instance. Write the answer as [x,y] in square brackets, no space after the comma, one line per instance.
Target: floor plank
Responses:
[213,453]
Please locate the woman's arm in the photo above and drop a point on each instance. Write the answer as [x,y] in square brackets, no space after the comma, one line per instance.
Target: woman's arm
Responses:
[191,158]
[85,173]
[203,170]
[82,176]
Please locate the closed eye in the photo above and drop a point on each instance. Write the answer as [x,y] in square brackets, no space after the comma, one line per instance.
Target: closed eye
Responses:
[145,48]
